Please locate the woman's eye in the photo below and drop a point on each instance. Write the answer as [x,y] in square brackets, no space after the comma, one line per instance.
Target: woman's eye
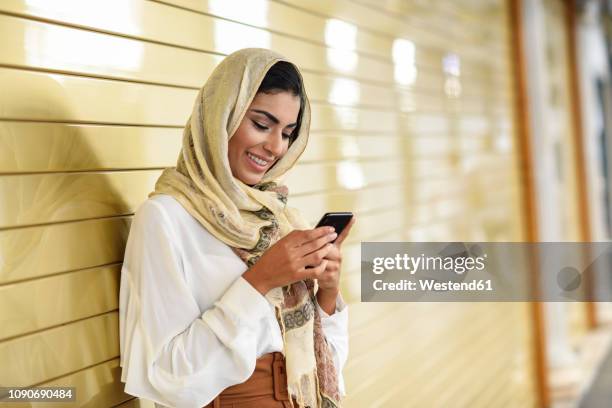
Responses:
[260,126]
[264,127]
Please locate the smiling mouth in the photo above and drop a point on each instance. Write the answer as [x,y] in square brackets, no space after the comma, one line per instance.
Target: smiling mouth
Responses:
[256,160]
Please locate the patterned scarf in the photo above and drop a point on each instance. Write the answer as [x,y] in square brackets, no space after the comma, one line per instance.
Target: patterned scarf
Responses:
[250,219]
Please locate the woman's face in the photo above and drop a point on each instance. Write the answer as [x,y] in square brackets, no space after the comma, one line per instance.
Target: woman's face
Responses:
[263,135]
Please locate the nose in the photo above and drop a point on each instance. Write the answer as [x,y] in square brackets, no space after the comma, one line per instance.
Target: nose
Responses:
[275,144]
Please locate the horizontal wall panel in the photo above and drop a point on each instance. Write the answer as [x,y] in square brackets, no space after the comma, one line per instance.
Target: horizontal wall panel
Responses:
[212,35]
[439,209]
[283,19]
[71,196]
[342,145]
[380,22]
[332,118]
[31,95]
[348,174]
[34,305]
[44,250]
[362,200]
[45,198]
[435,17]
[28,95]
[59,197]
[450,187]
[456,146]
[97,386]
[38,45]
[27,147]
[426,168]
[43,42]
[60,350]
[37,147]
[428,94]
[313,26]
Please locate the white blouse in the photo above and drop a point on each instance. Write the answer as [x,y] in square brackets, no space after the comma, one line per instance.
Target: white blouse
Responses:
[190,324]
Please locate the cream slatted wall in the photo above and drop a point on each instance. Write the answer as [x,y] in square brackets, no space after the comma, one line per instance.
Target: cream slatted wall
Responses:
[94,95]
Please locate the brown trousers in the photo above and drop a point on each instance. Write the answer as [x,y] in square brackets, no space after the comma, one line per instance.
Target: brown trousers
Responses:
[265,388]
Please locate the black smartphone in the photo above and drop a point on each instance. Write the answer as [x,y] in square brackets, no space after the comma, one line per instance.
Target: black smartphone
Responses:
[338,220]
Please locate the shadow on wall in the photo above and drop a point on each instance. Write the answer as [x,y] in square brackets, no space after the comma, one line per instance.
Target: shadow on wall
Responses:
[63,228]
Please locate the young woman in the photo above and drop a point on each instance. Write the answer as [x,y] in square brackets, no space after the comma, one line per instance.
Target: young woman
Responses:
[228,297]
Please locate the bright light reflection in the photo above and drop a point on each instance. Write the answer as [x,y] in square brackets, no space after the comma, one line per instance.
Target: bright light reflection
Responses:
[341,39]
[404,61]
[59,47]
[503,142]
[254,12]
[350,175]
[347,118]
[452,87]
[115,15]
[349,147]
[451,65]
[230,37]
[344,92]
[340,34]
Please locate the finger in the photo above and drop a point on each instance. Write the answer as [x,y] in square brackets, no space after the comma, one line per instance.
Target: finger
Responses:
[345,232]
[305,236]
[333,267]
[316,244]
[316,257]
[314,273]
[297,237]
[334,254]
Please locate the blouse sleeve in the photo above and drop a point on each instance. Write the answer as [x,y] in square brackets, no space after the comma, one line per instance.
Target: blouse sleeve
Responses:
[335,328]
[170,352]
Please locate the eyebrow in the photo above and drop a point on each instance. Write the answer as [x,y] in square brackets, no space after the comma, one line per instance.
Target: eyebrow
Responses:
[272,117]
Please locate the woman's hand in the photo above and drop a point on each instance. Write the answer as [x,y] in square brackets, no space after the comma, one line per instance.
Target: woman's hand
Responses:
[286,261]
[329,280]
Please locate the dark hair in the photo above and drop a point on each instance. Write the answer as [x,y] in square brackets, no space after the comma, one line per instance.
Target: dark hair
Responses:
[284,76]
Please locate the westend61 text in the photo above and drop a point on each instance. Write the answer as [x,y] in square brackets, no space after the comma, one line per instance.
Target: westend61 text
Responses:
[434,285]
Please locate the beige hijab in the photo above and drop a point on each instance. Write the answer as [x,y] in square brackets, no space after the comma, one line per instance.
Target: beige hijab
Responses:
[252,218]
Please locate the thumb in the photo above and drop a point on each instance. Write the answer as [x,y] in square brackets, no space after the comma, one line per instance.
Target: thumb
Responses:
[344,232]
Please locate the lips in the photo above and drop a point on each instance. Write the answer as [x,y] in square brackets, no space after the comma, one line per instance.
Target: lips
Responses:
[254,165]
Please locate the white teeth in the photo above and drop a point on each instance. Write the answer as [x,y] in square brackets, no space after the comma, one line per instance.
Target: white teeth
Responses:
[257,160]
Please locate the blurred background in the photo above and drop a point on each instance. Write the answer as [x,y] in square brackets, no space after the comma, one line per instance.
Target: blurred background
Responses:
[433,120]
